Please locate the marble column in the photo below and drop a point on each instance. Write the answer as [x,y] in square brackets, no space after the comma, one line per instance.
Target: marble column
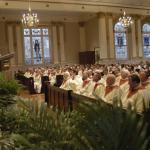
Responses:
[139,38]
[11,44]
[82,37]
[55,44]
[102,36]
[111,37]
[19,40]
[62,44]
[133,37]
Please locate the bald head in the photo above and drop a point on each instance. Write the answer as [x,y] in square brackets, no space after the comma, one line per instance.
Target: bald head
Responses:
[110,80]
[125,74]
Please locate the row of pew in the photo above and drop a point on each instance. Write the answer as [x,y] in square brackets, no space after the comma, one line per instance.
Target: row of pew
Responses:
[63,99]
[29,82]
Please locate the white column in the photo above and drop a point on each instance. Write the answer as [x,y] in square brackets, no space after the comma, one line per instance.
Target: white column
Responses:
[82,37]
[55,44]
[139,38]
[19,45]
[11,44]
[133,37]
[111,38]
[102,36]
[62,44]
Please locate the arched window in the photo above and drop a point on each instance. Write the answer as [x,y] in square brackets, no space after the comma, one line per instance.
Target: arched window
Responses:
[146,40]
[120,42]
[36,46]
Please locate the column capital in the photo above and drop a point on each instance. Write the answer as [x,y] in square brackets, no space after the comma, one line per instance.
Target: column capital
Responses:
[110,15]
[56,23]
[53,23]
[101,14]
[81,24]
[145,19]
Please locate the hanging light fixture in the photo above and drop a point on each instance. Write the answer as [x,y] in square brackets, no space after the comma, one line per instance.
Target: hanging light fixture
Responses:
[30,19]
[125,21]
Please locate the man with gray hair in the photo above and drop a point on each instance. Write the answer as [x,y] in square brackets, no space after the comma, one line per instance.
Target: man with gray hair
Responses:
[111,91]
[123,83]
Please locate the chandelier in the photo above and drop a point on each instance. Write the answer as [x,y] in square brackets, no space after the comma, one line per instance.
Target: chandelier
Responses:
[125,21]
[30,19]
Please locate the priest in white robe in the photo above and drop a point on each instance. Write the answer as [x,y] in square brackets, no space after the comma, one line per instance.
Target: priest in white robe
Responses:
[135,95]
[37,82]
[112,92]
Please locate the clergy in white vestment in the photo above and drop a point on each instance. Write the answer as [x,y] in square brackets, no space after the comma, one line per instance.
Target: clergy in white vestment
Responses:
[135,95]
[90,74]
[123,83]
[83,88]
[52,77]
[77,78]
[145,81]
[28,73]
[80,72]
[98,89]
[117,74]
[112,91]
[68,83]
[37,81]
[104,76]
[45,72]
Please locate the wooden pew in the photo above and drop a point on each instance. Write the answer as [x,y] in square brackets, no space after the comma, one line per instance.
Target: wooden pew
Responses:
[28,82]
[59,80]
[44,80]
[64,99]
[57,97]
[76,98]
[30,85]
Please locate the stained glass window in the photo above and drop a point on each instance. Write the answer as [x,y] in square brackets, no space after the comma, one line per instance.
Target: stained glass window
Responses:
[37,46]
[120,42]
[146,40]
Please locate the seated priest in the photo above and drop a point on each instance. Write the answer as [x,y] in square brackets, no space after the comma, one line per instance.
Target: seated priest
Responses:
[123,82]
[98,86]
[135,95]
[145,81]
[29,73]
[77,78]
[104,74]
[83,88]
[52,77]
[112,92]
[68,83]
[37,81]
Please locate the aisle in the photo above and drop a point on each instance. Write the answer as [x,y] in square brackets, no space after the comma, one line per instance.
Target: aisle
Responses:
[26,94]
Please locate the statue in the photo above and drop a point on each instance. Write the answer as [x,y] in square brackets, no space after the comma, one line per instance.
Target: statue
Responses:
[37,50]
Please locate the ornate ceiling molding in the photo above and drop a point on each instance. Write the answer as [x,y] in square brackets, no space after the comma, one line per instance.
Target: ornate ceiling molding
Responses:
[76,6]
[128,4]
